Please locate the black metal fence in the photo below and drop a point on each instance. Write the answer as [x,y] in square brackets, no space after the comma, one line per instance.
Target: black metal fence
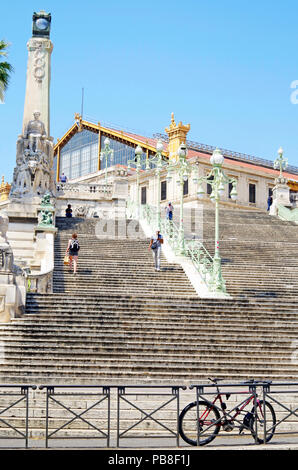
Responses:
[195,416]
[271,393]
[12,396]
[60,396]
[129,394]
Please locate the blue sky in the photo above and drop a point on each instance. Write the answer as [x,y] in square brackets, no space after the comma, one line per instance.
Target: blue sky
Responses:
[225,67]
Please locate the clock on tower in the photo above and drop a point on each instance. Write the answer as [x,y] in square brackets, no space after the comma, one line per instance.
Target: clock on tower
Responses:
[41,24]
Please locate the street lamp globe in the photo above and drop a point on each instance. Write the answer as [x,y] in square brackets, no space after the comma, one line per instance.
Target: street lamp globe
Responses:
[234,193]
[221,189]
[280,151]
[138,151]
[182,151]
[159,146]
[200,192]
[106,142]
[216,158]
[168,177]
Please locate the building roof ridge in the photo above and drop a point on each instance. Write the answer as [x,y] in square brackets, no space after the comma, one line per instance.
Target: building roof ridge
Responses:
[193,145]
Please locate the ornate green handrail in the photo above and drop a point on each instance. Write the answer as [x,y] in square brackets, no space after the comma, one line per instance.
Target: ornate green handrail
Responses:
[287,214]
[194,249]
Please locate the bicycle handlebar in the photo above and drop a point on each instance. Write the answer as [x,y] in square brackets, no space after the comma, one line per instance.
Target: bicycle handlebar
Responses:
[215,380]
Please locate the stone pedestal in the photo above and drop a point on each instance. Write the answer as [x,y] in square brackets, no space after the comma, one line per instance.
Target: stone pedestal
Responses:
[281,195]
[120,188]
[12,293]
[12,300]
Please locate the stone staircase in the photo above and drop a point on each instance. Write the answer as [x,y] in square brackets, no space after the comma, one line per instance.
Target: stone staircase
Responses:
[259,253]
[119,320]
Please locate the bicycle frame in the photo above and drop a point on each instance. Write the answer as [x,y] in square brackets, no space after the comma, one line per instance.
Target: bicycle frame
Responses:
[222,407]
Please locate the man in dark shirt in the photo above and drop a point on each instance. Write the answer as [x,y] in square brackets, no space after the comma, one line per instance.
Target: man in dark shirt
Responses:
[68,211]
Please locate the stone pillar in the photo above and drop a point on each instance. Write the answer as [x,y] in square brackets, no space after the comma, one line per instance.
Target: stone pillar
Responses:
[34,175]
[38,80]
[281,195]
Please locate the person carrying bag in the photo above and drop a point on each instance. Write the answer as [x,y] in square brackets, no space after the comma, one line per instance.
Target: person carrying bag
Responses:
[73,252]
[155,246]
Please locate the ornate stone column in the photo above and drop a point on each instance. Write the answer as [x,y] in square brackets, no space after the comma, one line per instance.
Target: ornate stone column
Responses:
[39,71]
[33,175]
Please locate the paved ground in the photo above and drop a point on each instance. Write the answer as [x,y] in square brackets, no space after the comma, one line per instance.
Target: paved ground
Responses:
[220,443]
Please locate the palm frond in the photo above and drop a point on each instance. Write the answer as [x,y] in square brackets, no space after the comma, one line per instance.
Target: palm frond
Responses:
[3,46]
[5,69]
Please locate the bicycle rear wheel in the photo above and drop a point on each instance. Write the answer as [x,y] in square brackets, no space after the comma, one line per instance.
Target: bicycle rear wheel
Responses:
[209,423]
[259,423]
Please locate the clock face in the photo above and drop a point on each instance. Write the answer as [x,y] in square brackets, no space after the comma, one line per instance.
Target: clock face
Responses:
[42,23]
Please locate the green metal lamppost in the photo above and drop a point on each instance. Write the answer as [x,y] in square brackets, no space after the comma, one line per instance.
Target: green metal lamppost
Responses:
[138,163]
[217,179]
[280,163]
[159,163]
[106,154]
[184,170]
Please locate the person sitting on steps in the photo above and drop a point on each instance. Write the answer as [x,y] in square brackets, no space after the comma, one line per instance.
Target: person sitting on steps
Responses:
[68,211]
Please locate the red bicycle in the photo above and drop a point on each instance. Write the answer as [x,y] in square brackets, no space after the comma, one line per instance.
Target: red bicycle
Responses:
[200,422]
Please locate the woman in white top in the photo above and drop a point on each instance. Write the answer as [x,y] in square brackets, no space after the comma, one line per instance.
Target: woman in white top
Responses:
[155,245]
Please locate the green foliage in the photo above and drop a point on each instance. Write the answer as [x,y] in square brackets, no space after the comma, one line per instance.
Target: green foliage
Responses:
[5,69]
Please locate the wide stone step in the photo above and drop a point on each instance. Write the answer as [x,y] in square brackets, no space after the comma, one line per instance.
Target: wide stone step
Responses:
[145,328]
[131,378]
[157,372]
[276,351]
[166,301]
[89,353]
[161,312]
[105,321]
[132,292]
[150,334]
[178,365]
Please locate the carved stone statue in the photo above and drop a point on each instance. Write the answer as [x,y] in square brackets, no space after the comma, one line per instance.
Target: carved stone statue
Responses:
[34,175]
[34,132]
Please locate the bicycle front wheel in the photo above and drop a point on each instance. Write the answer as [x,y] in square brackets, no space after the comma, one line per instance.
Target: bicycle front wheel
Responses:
[263,413]
[208,424]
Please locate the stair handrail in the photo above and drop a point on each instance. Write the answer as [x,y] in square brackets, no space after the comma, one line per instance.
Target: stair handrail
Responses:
[194,248]
[285,213]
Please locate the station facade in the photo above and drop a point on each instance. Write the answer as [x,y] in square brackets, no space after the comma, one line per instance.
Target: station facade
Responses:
[77,156]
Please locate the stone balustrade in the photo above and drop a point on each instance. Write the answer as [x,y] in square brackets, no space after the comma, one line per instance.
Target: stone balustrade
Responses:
[92,188]
[41,283]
